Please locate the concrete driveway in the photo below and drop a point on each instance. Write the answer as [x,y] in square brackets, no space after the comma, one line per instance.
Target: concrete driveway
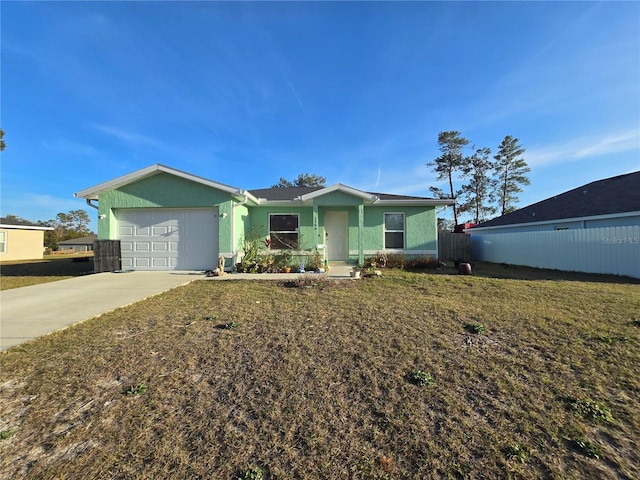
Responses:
[30,312]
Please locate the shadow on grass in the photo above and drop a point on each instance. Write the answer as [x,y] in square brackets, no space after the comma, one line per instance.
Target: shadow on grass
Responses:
[517,272]
[64,267]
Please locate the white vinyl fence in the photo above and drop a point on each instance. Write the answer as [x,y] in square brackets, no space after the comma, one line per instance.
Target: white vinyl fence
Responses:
[612,250]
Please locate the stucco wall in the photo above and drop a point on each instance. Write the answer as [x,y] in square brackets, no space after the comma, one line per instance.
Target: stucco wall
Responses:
[165,191]
[23,244]
[420,229]
[420,226]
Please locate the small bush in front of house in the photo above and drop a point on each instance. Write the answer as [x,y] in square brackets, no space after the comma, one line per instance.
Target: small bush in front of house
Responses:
[422,263]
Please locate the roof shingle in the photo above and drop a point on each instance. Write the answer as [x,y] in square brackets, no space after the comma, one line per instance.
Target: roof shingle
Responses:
[612,195]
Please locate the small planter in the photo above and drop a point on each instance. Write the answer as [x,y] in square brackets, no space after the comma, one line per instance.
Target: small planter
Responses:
[464,269]
[286,269]
[355,273]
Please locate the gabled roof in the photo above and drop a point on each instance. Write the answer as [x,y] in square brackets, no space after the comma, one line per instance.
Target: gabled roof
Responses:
[92,193]
[21,224]
[282,193]
[79,241]
[615,195]
[301,195]
[307,194]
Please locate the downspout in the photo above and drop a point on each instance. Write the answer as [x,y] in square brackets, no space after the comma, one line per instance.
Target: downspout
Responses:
[234,252]
[88,200]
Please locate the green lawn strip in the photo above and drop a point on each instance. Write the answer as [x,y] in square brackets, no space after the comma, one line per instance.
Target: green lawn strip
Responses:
[316,383]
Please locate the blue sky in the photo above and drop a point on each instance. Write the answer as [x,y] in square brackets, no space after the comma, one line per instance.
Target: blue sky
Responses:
[246,93]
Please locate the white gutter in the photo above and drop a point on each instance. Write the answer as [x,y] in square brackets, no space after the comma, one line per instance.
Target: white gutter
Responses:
[25,227]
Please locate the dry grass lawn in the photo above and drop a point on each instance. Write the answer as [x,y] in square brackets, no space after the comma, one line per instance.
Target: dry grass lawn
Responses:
[314,383]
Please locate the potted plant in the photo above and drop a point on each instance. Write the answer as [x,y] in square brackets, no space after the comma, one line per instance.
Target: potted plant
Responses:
[355,271]
[282,261]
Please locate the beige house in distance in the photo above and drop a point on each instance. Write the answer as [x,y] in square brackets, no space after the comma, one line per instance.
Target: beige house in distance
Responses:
[21,240]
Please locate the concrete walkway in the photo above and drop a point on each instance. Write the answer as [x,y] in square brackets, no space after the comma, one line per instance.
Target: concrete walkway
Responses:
[29,312]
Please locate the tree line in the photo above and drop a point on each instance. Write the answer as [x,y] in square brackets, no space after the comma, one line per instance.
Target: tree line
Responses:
[491,184]
[66,226]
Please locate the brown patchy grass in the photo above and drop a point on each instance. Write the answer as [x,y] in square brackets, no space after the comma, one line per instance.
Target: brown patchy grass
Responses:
[52,268]
[312,383]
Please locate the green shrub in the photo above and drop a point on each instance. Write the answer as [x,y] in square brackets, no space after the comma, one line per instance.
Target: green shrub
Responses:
[422,263]
[515,452]
[135,390]
[587,447]
[476,328]
[253,473]
[5,434]
[591,410]
[420,378]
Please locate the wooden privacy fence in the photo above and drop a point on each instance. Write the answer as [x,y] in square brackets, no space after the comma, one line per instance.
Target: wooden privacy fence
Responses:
[106,256]
[454,246]
[611,250]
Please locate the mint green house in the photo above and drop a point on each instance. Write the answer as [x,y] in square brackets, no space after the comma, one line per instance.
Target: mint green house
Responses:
[167,219]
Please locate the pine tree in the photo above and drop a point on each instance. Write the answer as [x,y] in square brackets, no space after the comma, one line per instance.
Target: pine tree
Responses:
[451,144]
[510,169]
[478,194]
[303,180]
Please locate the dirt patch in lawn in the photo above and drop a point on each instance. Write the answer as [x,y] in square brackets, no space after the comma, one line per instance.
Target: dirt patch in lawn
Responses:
[404,376]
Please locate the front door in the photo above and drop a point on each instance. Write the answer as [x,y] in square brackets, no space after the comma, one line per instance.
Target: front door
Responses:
[336,236]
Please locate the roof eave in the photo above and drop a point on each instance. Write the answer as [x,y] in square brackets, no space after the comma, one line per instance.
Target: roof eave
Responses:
[92,193]
[339,187]
[25,227]
[417,202]
[557,220]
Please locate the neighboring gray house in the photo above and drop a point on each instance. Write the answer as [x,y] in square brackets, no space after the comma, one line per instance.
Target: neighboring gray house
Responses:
[611,202]
[78,245]
[594,228]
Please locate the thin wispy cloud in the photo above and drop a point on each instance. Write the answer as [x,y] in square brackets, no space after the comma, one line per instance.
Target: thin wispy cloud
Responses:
[71,147]
[581,148]
[132,139]
[294,92]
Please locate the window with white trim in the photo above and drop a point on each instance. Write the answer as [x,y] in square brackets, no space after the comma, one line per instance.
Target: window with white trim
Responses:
[283,230]
[3,242]
[394,231]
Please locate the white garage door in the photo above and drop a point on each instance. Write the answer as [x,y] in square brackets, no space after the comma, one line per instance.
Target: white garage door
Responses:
[168,239]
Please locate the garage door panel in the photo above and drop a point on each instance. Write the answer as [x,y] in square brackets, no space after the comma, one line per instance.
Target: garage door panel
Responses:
[141,262]
[141,247]
[160,261]
[168,238]
[160,247]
